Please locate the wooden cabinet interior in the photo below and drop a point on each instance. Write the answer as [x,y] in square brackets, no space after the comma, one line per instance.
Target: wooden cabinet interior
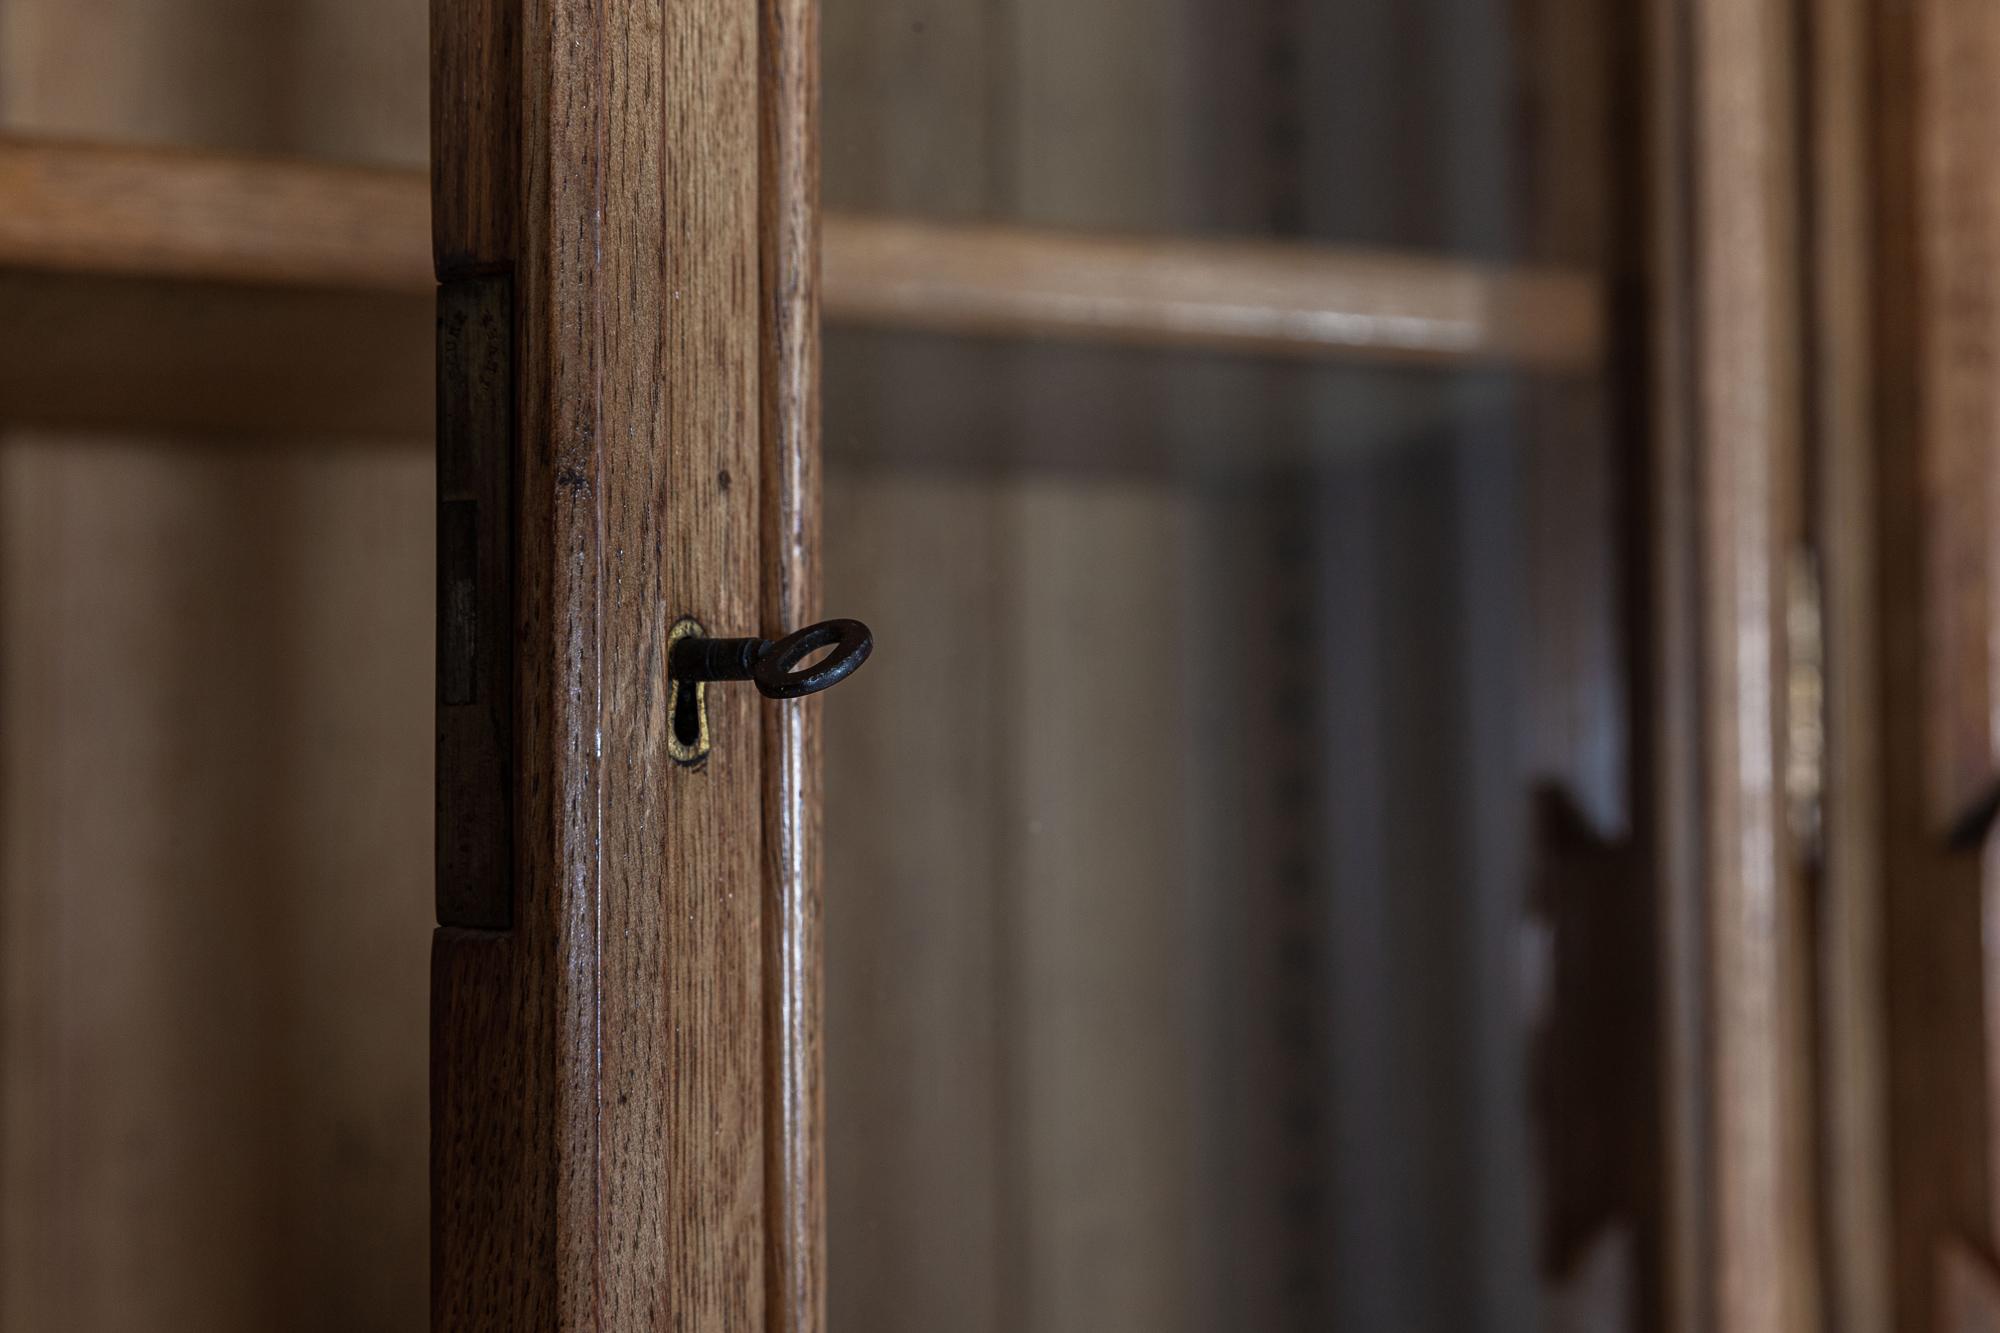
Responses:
[156,213]
[215,709]
[226,288]
[1309,792]
[1258,404]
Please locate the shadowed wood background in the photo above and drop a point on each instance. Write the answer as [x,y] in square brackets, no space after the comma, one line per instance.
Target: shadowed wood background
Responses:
[216,656]
[1065,940]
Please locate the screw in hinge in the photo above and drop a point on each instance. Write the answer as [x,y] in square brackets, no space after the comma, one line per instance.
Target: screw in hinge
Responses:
[1805,703]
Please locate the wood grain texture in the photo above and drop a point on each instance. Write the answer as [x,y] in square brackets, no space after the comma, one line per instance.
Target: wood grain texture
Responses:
[163,213]
[475,54]
[1744,332]
[1255,297]
[1956,103]
[918,1175]
[1841,401]
[156,213]
[92,353]
[219,630]
[789,267]
[340,80]
[599,1134]
[1933,218]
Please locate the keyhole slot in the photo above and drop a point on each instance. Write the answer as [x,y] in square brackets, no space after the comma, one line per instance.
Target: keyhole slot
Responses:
[688,739]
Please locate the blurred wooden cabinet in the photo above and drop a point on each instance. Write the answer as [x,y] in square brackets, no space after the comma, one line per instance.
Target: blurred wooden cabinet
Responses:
[1432,755]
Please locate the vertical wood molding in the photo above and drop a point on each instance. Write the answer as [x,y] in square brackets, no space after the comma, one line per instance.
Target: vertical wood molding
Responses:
[1955,87]
[789,200]
[1935,342]
[1842,107]
[1747,420]
[1685,1255]
[1743,1243]
[598,1069]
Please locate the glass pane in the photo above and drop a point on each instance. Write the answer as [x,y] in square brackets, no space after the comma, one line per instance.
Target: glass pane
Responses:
[1247,750]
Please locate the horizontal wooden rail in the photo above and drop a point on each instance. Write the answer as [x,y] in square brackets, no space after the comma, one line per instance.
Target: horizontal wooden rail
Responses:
[166,213]
[161,213]
[1241,296]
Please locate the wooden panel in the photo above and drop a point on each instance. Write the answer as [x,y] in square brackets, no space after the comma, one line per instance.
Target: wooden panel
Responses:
[112,353]
[1932,343]
[1094,124]
[619,1180]
[475,142]
[923,1232]
[1008,1082]
[1955,104]
[1096,993]
[215,822]
[342,80]
[918,1184]
[224,644]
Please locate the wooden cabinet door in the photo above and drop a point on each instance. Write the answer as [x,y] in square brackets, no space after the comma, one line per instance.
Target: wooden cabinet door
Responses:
[1319,849]
[623,1015]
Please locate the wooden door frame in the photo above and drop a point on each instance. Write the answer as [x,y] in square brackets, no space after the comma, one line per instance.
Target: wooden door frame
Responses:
[625,1035]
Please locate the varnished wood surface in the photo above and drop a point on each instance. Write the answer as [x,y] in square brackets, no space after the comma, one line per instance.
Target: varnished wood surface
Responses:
[81,353]
[1954,96]
[789,422]
[598,1134]
[1841,393]
[163,213]
[1286,300]
[1934,220]
[1593,883]
[84,208]
[213,709]
[214,828]
[1742,330]
[475,116]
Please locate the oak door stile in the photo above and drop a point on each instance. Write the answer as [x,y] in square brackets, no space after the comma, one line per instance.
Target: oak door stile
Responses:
[598,1119]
